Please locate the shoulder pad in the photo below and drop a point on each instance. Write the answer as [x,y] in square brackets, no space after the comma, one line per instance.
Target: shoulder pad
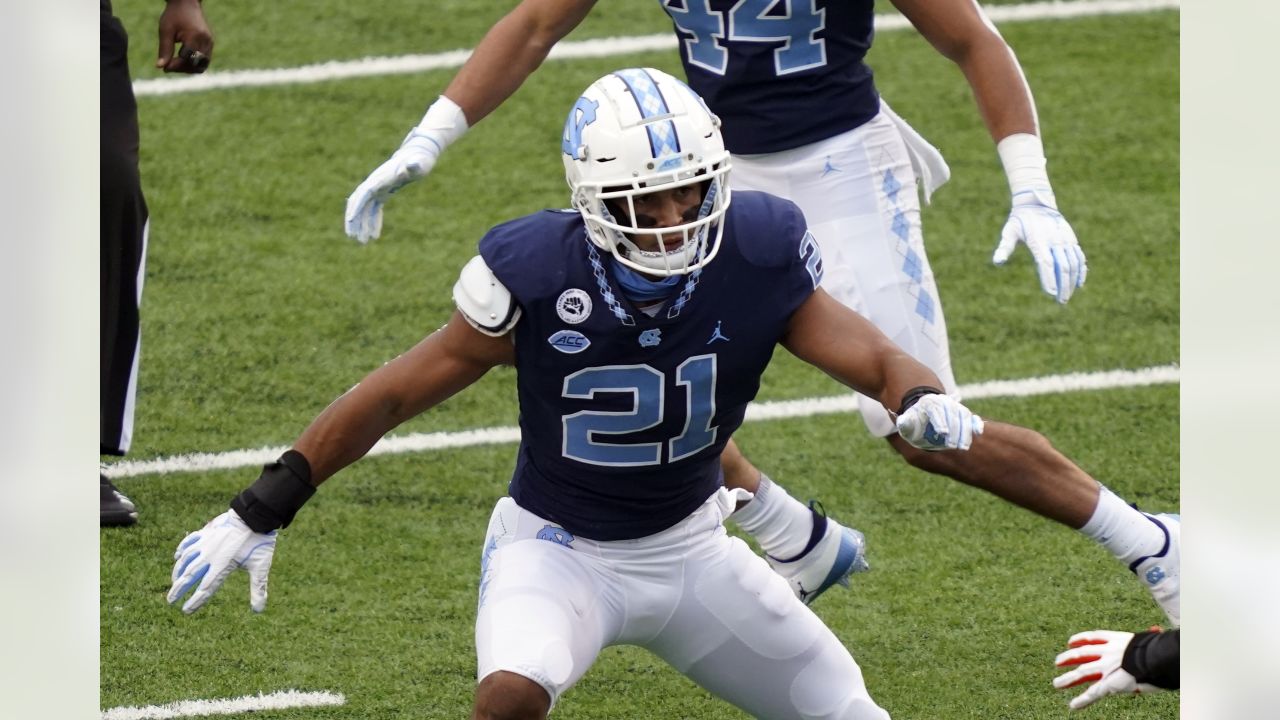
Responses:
[771,229]
[483,300]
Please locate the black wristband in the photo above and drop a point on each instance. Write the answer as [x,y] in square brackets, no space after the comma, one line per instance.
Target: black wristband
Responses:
[1154,658]
[913,396]
[276,496]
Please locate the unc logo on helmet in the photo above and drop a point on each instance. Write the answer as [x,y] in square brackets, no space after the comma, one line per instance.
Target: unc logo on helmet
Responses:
[582,114]
[636,132]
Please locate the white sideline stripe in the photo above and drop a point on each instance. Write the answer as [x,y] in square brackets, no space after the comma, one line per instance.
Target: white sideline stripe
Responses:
[281,700]
[604,47]
[777,410]
[1048,385]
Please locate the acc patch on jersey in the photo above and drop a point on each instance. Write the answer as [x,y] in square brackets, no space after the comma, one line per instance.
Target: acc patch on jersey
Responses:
[569,341]
[573,306]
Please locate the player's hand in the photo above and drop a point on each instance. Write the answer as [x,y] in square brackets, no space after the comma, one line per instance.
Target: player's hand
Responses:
[415,158]
[183,22]
[1096,656]
[1036,222]
[939,422]
[207,556]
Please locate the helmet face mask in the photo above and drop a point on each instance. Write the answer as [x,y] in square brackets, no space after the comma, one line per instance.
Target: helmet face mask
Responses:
[641,131]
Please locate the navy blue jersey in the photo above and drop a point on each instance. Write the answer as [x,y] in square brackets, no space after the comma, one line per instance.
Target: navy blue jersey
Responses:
[623,416]
[779,73]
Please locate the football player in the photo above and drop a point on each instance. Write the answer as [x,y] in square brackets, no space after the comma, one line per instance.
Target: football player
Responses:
[639,323]
[804,121]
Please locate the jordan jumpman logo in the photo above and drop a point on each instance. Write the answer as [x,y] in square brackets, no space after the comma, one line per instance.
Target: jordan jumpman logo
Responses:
[717,335]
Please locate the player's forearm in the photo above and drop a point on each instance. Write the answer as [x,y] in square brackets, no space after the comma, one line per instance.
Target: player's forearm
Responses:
[961,32]
[512,49]
[901,374]
[348,429]
[846,346]
[999,88]
[441,365]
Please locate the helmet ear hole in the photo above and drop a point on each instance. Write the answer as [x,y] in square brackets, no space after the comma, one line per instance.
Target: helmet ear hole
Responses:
[647,132]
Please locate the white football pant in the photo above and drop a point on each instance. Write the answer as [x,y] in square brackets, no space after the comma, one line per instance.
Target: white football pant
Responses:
[692,595]
[858,192]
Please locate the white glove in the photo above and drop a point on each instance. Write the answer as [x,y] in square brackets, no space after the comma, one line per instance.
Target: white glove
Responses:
[443,123]
[207,556]
[1034,220]
[939,422]
[1096,656]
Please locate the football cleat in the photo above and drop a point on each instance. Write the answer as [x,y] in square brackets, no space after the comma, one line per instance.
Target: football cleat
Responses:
[1160,572]
[833,554]
[115,508]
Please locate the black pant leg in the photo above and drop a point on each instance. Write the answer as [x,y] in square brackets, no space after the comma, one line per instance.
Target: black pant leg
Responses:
[122,243]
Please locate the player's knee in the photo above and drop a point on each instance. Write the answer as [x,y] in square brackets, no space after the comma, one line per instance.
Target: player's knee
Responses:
[1033,443]
[831,687]
[507,696]
[933,462]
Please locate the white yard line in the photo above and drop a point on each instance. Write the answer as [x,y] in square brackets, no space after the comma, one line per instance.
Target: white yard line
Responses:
[605,47]
[808,407]
[282,700]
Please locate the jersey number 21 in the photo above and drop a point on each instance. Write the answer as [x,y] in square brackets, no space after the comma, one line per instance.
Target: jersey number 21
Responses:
[647,387]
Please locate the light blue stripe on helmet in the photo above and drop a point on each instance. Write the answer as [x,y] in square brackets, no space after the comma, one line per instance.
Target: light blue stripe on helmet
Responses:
[663,140]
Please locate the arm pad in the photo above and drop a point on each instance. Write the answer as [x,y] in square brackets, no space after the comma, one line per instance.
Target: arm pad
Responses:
[483,300]
[444,122]
[276,496]
[1154,658]
[1022,155]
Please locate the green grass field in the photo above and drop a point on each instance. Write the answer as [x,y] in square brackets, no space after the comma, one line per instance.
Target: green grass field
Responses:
[258,311]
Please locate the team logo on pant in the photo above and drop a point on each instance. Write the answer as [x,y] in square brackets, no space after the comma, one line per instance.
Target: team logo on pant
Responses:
[573,306]
[557,535]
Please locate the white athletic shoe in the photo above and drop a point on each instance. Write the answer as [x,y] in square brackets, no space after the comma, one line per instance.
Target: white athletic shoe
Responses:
[1161,572]
[834,553]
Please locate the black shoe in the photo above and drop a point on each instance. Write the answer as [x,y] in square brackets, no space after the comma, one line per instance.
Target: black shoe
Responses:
[117,510]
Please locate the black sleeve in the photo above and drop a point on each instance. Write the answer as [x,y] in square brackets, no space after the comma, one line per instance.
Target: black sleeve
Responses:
[1153,658]
[276,496]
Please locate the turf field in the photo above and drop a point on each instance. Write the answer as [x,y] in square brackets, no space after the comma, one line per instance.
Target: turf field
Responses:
[258,311]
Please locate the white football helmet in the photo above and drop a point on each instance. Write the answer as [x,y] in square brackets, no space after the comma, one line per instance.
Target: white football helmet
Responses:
[638,131]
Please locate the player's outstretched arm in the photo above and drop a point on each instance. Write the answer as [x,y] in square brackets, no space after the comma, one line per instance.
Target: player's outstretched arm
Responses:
[960,31]
[444,363]
[845,345]
[511,50]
